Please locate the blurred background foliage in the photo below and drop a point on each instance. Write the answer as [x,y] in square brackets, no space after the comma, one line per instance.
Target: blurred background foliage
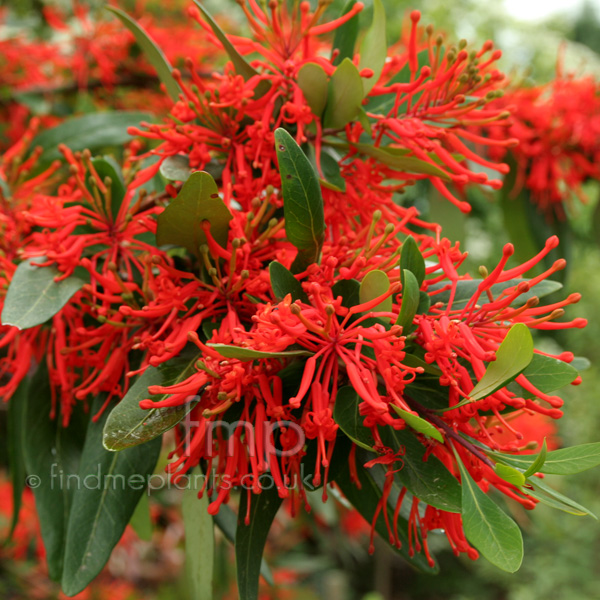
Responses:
[562,557]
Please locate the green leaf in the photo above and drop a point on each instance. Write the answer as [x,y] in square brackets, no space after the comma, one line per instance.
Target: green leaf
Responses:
[510,475]
[539,461]
[151,51]
[283,282]
[548,374]
[374,284]
[33,296]
[512,357]
[313,82]
[93,131]
[111,485]
[16,428]
[345,96]
[466,288]
[488,528]
[566,461]
[373,50]
[545,494]
[226,521]
[180,224]
[302,201]
[349,290]
[394,157]
[241,66]
[246,354]
[418,424]
[108,167]
[176,168]
[412,260]
[366,499]
[410,302]
[51,453]
[345,35]
[331,171]
[141,522]
[428,479]
[347,416]
[250,539]
[199,540]
[129,425]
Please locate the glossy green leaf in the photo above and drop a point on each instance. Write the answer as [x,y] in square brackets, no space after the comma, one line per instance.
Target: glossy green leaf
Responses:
[199,539]
[250,539]
[176,168]
[510,474]
[152,52]
[283,282]
[374,284]
[302,201]
[424,303]
[129,425]
[246,354]
[226,521]
[313,82]
[345,96]
[111,487]
[348,417]
[240,64]
[16,426]
[410,302]
[349,290]
[427,479]
[108,167]
[548,374]
[418,424]
[512,357]
[180,224]
[51,453]
[34,296]
[412,260]
[545,494]
[373,50]
[400,162]
[488,528]
[539,461]
[566,461]
[345,35]
[93,131]
[466,288]
[366,499]
[141,521]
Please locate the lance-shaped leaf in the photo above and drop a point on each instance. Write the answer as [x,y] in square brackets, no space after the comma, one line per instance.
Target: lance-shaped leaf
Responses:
[539,461]
[93,131]
[313,82]
[348,417]
[546,495]
[302,200]
[141,520]
[34,296]
[111,485]
[180,223]
[129,425]
[412,260]
[488,528]
[52,454]
[410,302]
[247,354]
[373,50]
[199,539]
[376,283]
[250,539]
[510,474]
[512,357]
[418,424]
[240,64]
[107,167]
[345,95]
[151,51]
[283,282]
[345,35]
